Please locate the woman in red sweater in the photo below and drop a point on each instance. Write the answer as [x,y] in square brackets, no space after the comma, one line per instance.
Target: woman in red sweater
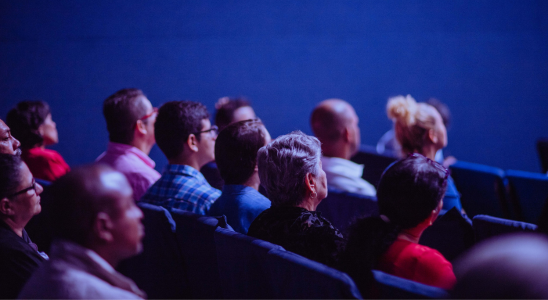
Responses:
[410,197]
[31,123]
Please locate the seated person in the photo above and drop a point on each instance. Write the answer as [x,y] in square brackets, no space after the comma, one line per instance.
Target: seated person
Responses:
[335,124]
[96,224]
[31,123]
[419,129]
[290,169]
[19,202]
[410,197]
[236,155]
[229,110]
[8,144]
[185,136]
[130,123]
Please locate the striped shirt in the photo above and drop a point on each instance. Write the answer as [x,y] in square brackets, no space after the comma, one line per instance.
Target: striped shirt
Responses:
[182,187]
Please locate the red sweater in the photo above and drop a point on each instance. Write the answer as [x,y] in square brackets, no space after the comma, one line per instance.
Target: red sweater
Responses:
[418,263]
[45,164]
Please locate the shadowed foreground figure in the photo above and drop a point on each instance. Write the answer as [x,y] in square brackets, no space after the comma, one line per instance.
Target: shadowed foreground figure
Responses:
[507,267]
[96,225]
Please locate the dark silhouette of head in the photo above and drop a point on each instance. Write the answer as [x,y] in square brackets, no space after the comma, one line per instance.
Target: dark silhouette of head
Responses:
[25,120]
[231,110]
[122,110]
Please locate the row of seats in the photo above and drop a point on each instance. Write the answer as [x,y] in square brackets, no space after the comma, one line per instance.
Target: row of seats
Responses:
[510,194]
[191,256]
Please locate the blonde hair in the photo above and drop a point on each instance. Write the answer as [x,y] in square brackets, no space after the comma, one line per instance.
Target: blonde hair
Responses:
[412,121]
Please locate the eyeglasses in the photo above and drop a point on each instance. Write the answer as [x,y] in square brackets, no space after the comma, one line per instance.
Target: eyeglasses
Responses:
[154,111]
[213,131]
[32,187]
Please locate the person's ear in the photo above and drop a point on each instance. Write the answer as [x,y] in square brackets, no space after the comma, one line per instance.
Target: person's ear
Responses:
[433,136]
[310,183]
[140,127]
[6,207]
[346,134]
[192,142]
[103,227]
[41,129]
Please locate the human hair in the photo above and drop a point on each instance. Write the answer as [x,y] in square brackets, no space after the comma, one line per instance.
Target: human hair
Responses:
[236,150]
[121,110]
[412,121]
[25,119]
[175,122]
[224,114]
[75,200]
[284,164]
[443,109]
[10,174]
[408,192]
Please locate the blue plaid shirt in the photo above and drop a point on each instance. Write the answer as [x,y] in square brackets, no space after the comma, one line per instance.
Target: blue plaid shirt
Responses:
[182,187]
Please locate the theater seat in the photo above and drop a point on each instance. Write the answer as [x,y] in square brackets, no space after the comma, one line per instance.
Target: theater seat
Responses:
[482,189]
[529,190]
[242,265]
[295,277]
[393,287]
[374,163]
[159,269]
[195,234]
[487,226]
[342,208]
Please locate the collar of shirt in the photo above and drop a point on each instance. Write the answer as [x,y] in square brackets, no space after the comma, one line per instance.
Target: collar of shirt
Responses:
[238,189]
[186,171]
[121,149]
[342,166]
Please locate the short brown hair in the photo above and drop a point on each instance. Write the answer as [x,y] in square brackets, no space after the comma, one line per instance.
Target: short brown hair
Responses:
[121,111]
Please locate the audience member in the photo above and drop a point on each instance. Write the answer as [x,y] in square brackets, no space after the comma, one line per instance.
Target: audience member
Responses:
[96,225]
[130,123]
[8,144]
[290,169]
[186,137]
[409,196]
[419,128]
[236,155]
[31,123]
[19,202]
[335,124]
[506,267]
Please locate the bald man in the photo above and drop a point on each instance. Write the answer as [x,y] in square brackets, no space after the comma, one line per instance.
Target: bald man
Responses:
[96,225]
[335,124]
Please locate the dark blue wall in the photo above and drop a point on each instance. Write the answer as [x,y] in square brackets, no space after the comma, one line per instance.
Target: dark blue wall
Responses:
[488,60]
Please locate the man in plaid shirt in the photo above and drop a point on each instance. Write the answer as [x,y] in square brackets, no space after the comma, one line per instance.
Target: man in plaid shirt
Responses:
[185,135]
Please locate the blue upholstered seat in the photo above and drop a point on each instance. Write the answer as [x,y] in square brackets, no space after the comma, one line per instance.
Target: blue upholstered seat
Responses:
[295,277]
[530,191]
[487,226]
[342,208]
[374,163]
[242,265]
[482,189]
[159,269]
[195,234]
[393,287]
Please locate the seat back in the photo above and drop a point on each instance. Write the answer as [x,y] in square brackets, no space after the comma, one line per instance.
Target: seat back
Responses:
[487,226]
[542,148]
[482,189]
[195,234]
[342,208]
[451,234]
[242,265]
[374,163]
[529,191]
[393,287]
[295,277]
[159,269]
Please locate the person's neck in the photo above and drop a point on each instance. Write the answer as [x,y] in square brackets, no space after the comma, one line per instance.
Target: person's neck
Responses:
[107,254]
[337,149]
[412,235]
[186,160]
[254,181]
[142,145]
[429,151]
[15,226]
[308,204]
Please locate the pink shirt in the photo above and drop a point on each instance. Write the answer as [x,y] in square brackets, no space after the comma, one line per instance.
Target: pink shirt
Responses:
[132,162]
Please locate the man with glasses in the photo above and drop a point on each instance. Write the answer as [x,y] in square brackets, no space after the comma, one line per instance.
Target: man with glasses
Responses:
[185,136]
[130,123]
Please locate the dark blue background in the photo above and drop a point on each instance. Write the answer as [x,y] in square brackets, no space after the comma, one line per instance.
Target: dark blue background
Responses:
[488,60]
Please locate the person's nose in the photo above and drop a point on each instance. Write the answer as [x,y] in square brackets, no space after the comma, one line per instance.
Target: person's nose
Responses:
[39,188]
[16,144]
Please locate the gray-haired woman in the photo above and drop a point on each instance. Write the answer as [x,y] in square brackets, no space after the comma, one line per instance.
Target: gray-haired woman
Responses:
[291,172]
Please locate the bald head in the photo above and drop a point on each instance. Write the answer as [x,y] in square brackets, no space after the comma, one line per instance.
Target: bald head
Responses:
[78,197]
[335,123]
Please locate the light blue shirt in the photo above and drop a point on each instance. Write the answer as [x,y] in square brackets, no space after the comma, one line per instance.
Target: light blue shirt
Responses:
[241,205]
